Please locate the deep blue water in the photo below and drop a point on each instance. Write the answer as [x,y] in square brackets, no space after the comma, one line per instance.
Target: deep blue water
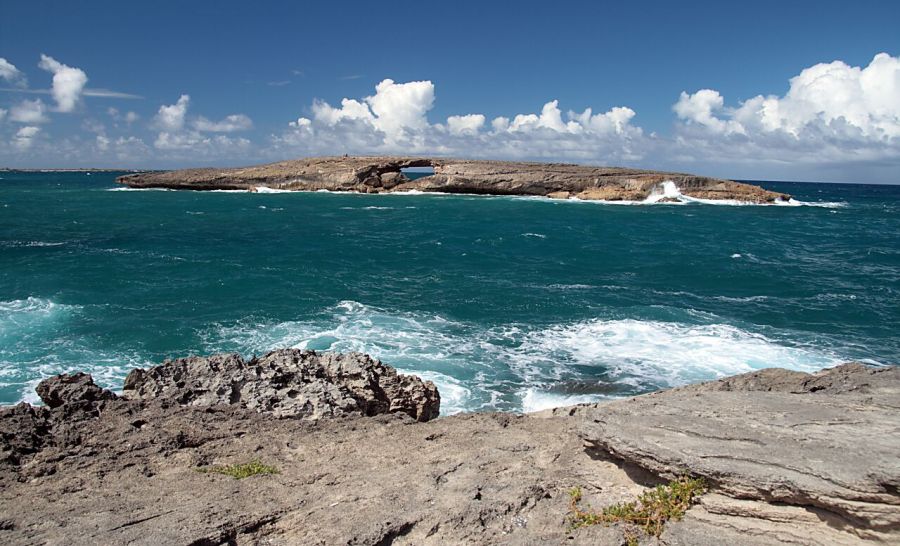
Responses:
[507,303]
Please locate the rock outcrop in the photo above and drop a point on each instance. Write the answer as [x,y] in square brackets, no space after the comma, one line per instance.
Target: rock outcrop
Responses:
[826,442]
[790,458]
[289,383]
[383,174]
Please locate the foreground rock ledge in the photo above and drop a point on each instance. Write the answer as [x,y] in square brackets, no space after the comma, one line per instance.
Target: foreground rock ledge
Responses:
[383,174]
[792,458]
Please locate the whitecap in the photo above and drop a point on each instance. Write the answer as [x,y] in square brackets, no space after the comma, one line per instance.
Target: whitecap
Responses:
[493,368]
[125,188]
[534,400]
[36,342]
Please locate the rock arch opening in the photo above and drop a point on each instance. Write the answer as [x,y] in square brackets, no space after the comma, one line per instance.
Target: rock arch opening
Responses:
[413,173]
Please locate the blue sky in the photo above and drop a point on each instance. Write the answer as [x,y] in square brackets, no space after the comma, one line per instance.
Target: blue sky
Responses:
[269,64]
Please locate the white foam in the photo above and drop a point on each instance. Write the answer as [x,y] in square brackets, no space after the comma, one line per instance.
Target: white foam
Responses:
[537,235]
[514,367]
[36,342]
[35,244]
[265,189]
[823,204]
[536,400]
[455,398]
[124,188]
[667,353]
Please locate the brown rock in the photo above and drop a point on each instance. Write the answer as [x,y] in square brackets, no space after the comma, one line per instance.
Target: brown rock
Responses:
[70,389]
[288,383]
[375,174]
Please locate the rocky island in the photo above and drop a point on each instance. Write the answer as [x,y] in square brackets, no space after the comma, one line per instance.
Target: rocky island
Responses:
[299,447]
[385,174]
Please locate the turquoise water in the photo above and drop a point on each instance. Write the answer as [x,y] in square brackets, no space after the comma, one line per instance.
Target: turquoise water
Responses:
[506,303]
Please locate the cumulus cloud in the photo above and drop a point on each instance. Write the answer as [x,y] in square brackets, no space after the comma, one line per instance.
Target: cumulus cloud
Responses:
[171,117]
[178,136]
[394,120]
[232,123]
[701,108]
[29,111]
[397,110]
[11,74]
[68,83]
[25,137]
[831,112]
[468,124]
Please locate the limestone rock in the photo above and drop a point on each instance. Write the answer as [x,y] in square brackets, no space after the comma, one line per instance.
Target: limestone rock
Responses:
[71,389]
[384,174]
[828,442]
[288,383]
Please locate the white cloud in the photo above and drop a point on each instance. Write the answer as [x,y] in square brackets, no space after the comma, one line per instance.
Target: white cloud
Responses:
[11,74]
[232,123]
[179,139]
[469,124]
[25,137]
[3,112]
[701,107]
[129,117]
[198,145]
[68,82]
[171,117]
[29,111]
[394,120]
[401,106]
[832,112]
[398,110]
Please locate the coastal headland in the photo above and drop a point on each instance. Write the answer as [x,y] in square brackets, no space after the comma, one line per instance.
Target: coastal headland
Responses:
[386,174]
[299,447]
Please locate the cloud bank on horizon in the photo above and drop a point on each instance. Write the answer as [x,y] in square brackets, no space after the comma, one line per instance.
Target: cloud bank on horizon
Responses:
[832,114]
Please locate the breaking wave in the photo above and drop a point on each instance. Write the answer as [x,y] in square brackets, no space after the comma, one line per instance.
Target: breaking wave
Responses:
[521,368]
[36,342]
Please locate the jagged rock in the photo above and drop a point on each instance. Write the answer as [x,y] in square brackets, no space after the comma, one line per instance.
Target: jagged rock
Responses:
[383,174]
[827,441]
[289,383]
[71,389]
[23,431]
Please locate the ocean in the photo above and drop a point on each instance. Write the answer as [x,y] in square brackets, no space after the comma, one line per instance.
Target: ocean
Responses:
[505,303]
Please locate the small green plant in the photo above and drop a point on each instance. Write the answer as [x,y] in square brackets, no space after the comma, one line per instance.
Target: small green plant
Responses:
[241,471]
[650,512]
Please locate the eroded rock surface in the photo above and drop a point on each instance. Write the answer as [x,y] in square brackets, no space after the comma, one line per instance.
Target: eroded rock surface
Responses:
[289,383]
[827,442]
[383,174]
[791,458]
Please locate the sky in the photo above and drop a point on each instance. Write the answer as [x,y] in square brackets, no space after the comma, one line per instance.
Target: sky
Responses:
[764,90]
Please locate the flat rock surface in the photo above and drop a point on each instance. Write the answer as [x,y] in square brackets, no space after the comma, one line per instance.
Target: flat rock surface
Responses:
[383,174]
[829,442]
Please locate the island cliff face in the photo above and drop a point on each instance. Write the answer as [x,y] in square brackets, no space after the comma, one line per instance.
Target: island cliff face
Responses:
[347,452]
[383,174]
